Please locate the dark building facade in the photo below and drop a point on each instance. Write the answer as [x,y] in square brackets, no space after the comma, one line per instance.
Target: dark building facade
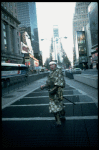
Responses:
[28,18]
[10,37]
[93,26]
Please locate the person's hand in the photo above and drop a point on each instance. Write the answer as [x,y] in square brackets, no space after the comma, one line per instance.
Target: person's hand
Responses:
[42,87]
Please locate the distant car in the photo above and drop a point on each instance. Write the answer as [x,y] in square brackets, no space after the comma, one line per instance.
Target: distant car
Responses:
[71,70]
[77,70]
[67,69]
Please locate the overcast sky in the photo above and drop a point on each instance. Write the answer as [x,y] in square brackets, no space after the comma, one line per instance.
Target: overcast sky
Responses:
[55,13]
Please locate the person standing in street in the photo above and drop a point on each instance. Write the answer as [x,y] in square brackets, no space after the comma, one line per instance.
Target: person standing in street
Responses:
[55,84]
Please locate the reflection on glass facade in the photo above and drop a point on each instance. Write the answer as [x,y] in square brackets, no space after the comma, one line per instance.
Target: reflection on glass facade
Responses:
[23,16]
[27,17]
[93,21]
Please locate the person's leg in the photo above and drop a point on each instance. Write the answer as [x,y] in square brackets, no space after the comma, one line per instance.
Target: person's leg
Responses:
[57,118]
[62,115]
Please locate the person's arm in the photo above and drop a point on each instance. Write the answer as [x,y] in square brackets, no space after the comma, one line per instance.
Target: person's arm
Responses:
[43,86]
[53,90]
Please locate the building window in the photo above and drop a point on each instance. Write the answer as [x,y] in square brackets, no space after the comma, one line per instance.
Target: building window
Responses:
[8,4]
[14,4]
[12,42]
[15,10]
[2,15]
[5,35]
[10,19]
[5,41]
[1,4]
[11,7]
[18,40]
[4,26]
[5,7]
[6,17]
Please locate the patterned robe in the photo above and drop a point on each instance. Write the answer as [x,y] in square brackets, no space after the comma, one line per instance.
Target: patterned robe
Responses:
[56,99]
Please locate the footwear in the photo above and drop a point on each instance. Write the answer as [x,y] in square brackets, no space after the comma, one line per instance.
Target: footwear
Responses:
[63,118]
[58,121]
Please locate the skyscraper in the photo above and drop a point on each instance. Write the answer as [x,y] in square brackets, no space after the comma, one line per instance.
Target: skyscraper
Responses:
[80,20]
[57,54]
[27,17]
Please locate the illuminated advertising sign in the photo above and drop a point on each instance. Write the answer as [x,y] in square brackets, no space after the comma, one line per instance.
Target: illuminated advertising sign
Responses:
[81,51]
[25,49]
[95,57]
[36,63]
[80,37]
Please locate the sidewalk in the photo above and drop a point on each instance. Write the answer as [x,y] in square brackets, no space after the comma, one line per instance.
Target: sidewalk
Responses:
[91,70]
[90,91]
[94,69]
[19,93]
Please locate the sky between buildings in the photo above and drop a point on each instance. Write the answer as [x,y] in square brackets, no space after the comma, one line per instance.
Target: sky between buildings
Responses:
[55,13]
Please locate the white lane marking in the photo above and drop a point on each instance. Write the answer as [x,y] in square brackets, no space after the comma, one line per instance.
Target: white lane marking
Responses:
[25,105]
[47,91]
[50,118]
[48,96]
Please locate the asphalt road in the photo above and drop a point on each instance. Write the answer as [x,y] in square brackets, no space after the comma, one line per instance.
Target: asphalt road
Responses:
[28,123]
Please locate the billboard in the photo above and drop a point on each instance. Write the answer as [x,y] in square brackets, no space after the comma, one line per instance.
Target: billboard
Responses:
[81,37]
[93,21]
[24,48]
[81,51]
[95,56]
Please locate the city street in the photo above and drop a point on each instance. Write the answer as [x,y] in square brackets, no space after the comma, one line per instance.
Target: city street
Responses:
[28,123]
[54,41]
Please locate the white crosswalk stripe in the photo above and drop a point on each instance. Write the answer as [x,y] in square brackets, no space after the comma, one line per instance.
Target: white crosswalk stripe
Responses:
[49,118]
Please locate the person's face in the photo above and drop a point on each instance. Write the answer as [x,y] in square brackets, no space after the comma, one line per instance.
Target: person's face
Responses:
[52,67]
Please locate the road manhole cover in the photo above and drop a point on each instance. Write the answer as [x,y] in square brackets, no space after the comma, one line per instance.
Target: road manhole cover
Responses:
[21,91]
[9,96]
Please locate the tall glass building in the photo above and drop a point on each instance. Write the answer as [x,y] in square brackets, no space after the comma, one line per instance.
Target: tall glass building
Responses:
[80,20]
[28,18]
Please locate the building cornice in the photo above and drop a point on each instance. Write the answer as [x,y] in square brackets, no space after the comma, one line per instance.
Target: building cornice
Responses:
[10,15]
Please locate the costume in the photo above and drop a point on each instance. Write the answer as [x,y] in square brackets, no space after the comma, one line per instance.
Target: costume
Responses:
[55,85]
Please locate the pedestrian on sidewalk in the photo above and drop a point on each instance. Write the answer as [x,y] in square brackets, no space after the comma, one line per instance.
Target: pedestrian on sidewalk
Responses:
[55,84]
